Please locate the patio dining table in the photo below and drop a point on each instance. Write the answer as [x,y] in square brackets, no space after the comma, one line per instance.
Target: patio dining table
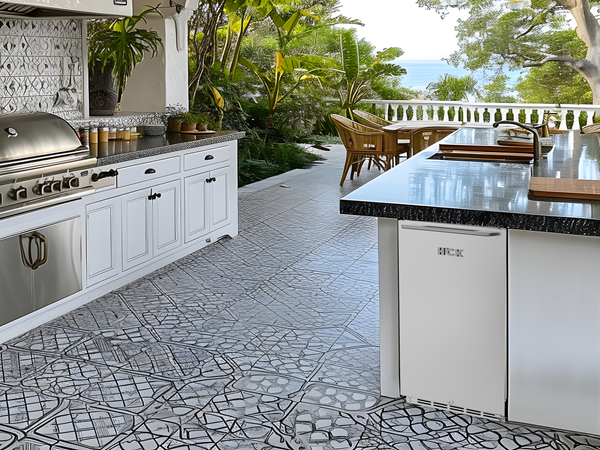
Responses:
[409,128]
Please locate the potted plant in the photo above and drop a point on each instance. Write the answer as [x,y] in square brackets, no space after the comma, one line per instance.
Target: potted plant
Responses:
[174,115]
[114,51]
[189,121]
[203,120]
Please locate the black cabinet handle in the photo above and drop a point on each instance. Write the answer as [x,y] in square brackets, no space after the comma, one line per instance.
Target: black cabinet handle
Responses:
[208,180]
[149,171]
[99,176]
[207,157]
[157,195]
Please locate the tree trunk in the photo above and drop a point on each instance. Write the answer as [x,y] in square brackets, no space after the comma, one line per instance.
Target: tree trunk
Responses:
[588,31]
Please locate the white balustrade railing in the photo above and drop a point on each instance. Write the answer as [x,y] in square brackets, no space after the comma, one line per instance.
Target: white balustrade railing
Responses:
[570,116]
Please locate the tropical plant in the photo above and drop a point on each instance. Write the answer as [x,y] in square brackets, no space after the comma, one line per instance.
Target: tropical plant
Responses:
[272,80]
[354,82]
[121,46]
[451,88]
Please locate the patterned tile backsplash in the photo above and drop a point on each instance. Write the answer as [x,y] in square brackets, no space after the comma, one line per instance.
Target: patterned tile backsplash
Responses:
[41,67]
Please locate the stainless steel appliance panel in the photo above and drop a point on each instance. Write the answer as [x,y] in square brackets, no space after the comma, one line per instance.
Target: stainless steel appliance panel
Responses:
[453,316]
[36,136]
[60,275]
[16,296]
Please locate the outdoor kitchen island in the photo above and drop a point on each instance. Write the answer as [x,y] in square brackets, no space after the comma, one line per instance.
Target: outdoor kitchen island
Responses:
[151,201]
[508,331]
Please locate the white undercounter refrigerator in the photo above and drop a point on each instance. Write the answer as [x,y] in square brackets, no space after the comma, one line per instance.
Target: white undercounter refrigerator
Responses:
[452,307]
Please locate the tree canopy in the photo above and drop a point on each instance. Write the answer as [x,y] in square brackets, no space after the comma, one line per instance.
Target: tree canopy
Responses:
[494,35]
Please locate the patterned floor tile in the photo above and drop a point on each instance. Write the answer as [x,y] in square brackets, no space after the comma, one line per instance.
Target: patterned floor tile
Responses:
[265,341]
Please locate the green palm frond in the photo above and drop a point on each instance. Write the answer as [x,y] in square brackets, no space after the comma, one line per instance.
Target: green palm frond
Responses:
[122,46]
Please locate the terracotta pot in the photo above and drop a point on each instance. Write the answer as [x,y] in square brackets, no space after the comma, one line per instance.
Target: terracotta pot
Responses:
[188,127]
[174,124]
[202,127]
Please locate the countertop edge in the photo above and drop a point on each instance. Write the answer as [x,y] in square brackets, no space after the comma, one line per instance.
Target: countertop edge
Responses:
[124,157]
[496,219]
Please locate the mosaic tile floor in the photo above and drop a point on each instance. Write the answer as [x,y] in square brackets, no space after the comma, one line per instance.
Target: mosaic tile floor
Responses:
[265,341]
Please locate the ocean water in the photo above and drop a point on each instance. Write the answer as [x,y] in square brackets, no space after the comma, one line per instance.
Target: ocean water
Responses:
[422,72]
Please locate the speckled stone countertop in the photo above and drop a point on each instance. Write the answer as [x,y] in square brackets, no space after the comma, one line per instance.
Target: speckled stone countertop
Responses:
[115,152]
[485,193]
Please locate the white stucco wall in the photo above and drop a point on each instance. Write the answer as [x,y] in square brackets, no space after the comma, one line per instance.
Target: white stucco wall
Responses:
[162,81]
[104,7]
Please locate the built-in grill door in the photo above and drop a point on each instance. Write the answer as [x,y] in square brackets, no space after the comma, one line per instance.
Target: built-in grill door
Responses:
[38,268]
[60,275]
[16,296]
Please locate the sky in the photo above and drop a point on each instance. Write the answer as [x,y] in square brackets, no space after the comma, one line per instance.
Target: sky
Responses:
[422,34]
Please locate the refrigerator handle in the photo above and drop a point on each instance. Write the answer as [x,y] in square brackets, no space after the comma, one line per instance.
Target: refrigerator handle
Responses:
[451,230]
[42,249]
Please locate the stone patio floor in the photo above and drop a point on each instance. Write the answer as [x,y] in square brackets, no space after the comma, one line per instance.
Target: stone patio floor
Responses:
[265,341]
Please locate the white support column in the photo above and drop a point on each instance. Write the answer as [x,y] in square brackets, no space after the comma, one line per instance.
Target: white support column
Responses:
[163,80]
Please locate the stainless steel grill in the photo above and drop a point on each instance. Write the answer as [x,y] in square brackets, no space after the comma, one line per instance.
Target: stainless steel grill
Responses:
[42,163]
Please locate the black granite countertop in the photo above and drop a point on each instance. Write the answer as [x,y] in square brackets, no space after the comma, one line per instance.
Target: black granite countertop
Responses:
[115,152]
[485,193]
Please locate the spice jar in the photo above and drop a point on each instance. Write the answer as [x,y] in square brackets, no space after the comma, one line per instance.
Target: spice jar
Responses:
[103,134]
[127,134]
[112,134]
[93,135]
[119,134]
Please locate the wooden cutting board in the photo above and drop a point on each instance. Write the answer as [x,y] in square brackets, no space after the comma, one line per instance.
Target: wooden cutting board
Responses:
[497,156]
[516,142]
[486,148]
[565,188]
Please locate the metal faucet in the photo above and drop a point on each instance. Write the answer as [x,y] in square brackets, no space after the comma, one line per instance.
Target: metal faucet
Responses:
[537,145]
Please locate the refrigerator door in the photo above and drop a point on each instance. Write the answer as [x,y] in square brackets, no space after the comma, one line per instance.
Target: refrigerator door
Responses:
[16,297]
[58,271]
[453,316]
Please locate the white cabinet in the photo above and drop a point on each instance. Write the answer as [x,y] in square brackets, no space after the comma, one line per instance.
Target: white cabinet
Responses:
[151,223]
[103,238]
[554,330]
[207,203]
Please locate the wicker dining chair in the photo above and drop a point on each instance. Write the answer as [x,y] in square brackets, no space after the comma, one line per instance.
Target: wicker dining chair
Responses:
[371,120]
[422,138]
[361,142]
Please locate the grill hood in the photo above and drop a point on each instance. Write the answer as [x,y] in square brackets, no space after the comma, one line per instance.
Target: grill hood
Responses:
[36,140]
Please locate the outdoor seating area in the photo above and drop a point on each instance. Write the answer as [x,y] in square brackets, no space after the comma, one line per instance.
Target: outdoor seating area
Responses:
[383,143]
[265,341]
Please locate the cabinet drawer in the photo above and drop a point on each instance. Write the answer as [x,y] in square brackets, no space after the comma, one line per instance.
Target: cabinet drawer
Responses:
[205,158]
[148,171]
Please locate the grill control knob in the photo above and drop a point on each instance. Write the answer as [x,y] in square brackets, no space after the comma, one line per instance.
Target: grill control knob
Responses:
[42,188]
[17,193]
[56,186]
[72,182]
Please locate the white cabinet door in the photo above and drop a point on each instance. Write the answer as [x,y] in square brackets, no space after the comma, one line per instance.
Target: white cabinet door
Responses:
[165,205]
[103,240]
[554,330]
[207,203]
[219,198]
[196,196]
[137,228]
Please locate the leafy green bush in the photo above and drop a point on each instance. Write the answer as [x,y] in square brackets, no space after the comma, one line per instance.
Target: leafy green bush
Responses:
[259,160]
